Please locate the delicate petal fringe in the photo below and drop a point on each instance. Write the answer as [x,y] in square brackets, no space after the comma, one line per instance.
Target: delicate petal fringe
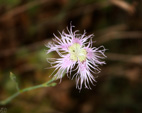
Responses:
[85,69]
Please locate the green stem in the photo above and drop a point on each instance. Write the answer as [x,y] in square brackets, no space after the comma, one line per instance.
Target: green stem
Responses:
[46,84]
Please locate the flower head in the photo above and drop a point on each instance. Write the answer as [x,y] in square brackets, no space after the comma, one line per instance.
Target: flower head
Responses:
[76,54]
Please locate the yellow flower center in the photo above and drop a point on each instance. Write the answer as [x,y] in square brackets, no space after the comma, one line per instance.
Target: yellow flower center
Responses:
[77,52]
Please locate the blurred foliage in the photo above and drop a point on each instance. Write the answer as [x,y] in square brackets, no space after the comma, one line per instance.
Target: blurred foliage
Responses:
[10,3]
[26,26]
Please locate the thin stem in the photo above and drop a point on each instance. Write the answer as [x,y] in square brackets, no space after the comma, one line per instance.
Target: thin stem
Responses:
[46,84]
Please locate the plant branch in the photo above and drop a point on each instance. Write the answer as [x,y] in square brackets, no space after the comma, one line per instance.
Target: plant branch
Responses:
[46,84]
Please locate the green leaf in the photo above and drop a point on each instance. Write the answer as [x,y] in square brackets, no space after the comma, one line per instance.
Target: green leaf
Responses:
[12,77]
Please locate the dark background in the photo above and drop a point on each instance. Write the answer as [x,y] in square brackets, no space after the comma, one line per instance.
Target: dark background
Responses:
[27,25]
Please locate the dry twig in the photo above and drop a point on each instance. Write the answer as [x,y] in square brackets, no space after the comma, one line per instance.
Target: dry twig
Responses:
[119,35]
[130,8]
[137,59]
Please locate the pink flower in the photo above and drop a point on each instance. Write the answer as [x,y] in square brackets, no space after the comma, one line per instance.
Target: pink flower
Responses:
[76,54]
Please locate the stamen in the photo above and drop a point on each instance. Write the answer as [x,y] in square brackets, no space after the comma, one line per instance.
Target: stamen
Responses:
[77,52]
